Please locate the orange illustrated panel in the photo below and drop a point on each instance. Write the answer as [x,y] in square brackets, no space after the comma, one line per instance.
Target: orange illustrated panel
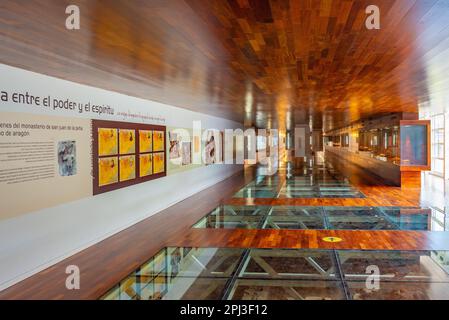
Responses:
[158,140]
[159,163]
[145,141]
[196,144]
[127,141]
[127,168]
[107,141]
[107,170]
[146,165]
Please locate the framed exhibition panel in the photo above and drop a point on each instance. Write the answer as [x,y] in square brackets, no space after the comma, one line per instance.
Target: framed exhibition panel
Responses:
[415,145]
[125,153]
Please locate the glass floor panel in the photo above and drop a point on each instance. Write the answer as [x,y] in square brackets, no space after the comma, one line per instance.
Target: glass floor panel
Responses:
[319,192]
[295,211]
[289,264]
[341,195]
[299,183]
[317,182]
[233,222]
[335,218]
[399,291]
[241,210]
[268,181]
[299,190]
[396,266]
[410,219]
[294,274]
[288,222]
[287,290]
[256,192]
[361,223]
[299,194]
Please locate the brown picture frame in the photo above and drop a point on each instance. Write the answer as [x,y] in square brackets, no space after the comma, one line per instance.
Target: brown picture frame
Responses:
[96,124]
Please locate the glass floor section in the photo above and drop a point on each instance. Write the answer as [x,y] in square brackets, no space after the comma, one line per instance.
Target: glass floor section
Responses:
[300,218]
[332,190]
[319,190]
[286,274]
[313,183]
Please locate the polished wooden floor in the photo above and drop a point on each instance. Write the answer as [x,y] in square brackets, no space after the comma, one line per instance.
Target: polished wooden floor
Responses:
[313,239]
[106,263]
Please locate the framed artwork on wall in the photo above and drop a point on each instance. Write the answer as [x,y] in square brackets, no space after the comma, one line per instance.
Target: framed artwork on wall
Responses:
[107,141]
[196,144]
[127,141]
[146,164]
[159,162]
[126,153]
[107,170]
[175,146]
[210,152]
[145,141]
[159,140]
[127,165]
[180,147]
[186,153]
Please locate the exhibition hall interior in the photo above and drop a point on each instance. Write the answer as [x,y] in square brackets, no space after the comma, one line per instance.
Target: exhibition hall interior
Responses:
[224,150]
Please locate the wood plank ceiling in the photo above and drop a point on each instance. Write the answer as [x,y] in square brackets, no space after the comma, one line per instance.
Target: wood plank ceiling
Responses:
[263,62]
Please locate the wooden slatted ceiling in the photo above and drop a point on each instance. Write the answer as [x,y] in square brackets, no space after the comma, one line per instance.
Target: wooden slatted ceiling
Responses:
[308,57]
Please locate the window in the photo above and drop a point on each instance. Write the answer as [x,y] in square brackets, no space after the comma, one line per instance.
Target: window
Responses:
[438,221]
[438,144]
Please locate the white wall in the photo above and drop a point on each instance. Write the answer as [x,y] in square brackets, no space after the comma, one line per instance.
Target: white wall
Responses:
[32,242]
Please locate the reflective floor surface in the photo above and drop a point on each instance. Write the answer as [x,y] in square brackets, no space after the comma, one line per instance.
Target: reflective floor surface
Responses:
[297,217]
[314,182]
[296,274]
[291,274]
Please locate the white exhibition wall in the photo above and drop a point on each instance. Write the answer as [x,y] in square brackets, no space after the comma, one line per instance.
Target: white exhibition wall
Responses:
[33,241]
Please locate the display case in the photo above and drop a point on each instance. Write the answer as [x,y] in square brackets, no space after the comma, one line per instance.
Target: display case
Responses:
[415,145]
[406,143]
[381,143]
[395,147]
[415,151]
[334,141]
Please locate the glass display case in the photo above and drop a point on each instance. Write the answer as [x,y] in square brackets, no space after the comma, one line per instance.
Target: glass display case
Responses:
[415,144]
[396,150]
[381,143]
[333,141]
